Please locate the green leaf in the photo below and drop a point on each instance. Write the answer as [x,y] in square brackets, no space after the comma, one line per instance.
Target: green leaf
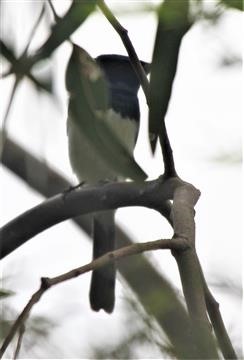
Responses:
[173,23]
[6,293]
[88,105]
[235,4]
[65,26]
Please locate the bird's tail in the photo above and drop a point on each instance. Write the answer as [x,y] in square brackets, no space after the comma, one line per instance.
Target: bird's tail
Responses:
[102,290]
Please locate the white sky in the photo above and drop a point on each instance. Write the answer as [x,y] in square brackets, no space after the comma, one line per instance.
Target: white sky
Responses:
[204,121]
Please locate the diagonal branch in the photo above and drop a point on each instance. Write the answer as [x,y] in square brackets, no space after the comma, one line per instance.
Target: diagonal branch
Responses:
[19,341]
[55,15]
[123,33]
[33,31]
[163,135]
[217,322]
[3,133]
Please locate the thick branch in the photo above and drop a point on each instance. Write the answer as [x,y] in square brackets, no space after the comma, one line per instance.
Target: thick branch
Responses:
[83,201]
[46,283]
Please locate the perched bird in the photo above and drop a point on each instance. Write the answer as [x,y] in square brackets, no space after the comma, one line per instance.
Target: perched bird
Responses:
[122,116]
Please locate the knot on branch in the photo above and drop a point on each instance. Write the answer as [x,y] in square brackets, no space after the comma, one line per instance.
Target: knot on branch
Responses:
[181,243]
[45,283]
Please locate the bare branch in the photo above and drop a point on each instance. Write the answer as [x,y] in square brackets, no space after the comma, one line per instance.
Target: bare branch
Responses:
[123,33]
[55,15]
[163,136]
[185,198]
[167,152]
[217,322]
[69,204]
[116,255]
[3,133]
[33,31]
[19,341]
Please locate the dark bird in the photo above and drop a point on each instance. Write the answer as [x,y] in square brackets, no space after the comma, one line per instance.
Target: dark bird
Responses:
[122,116]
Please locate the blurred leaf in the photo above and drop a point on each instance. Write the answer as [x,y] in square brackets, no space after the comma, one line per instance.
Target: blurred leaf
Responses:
[235,4]
[173,23]
[6,293]
[88,105]
[7,52]
[21,68]
[65,26]
[76,15]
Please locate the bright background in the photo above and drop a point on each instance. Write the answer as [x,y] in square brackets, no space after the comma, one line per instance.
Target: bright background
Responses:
[204,124]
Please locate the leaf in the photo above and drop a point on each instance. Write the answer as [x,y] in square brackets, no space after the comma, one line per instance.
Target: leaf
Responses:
[88,104]
[65,26]
[173,23]
[19,68]
[6,293]
[235,4]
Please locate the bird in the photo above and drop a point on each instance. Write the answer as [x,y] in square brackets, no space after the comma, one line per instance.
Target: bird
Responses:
[122,116]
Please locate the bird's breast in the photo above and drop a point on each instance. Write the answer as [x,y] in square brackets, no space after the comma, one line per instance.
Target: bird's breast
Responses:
[86,162]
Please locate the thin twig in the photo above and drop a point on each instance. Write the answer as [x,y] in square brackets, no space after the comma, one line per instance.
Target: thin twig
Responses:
[217,321]
[19,341]
[17,81]
[123,33]
[5,118]
[55,15]
[46,283]
[33,31]
[167,152]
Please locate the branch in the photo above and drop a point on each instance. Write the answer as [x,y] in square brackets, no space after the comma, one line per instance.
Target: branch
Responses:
[163,136]
[19,66]
[185,198]
[123,33]
[83,201]
[48,182]
[46,283]
[19,341]
[33,31]
[167,152]
[217,322]
[3,133]
[55,15]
